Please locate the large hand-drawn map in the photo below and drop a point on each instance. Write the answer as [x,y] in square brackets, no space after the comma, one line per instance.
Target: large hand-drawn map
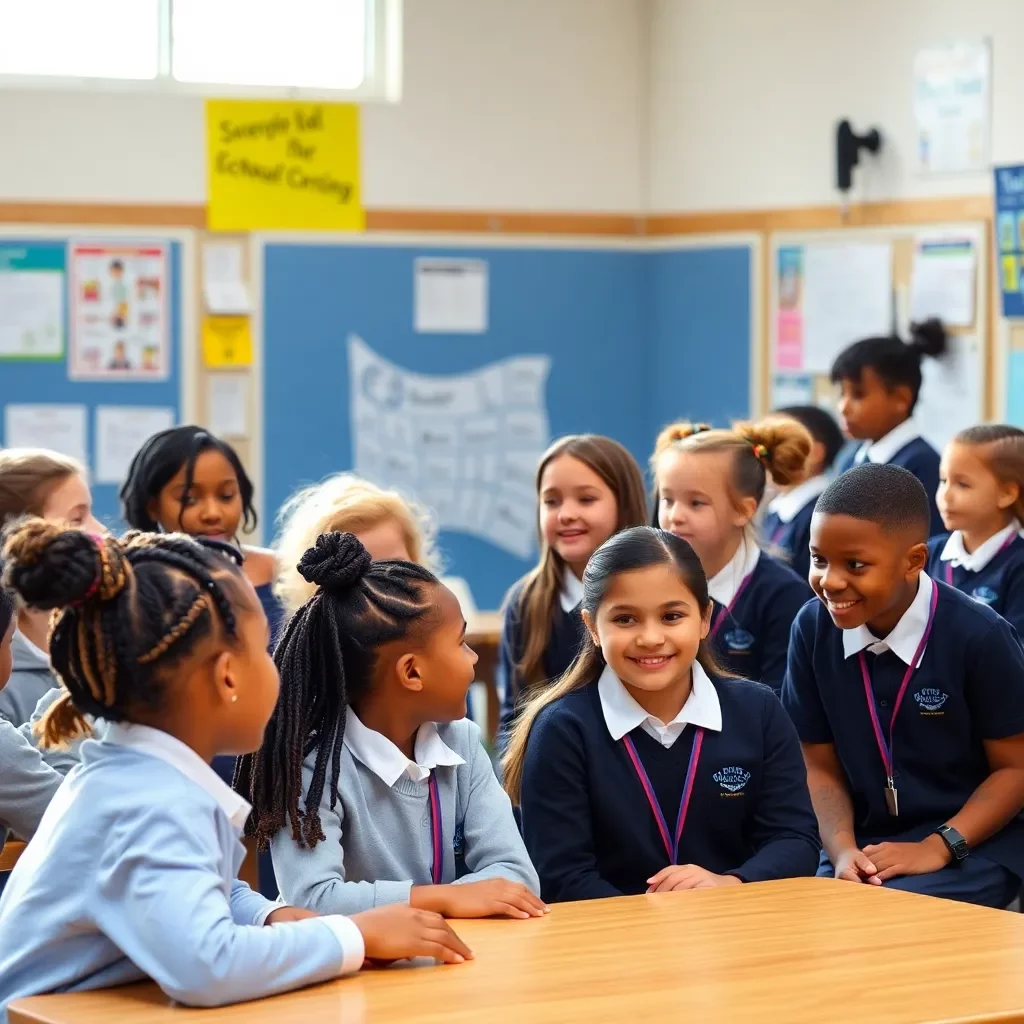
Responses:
[466,446]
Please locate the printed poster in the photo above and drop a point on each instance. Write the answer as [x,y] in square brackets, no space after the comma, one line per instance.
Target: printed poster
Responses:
[1010,238]
[789,333]
[32,289]
[465,445]
[120,327]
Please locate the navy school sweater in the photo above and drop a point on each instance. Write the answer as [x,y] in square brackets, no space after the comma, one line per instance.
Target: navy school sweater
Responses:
[1000,584]
[567,634]
[589,828]
[751,639]
[792,540]
[969,687]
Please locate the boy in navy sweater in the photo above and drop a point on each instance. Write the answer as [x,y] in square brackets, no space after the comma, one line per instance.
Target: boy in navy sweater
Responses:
[909,700]
[644,769]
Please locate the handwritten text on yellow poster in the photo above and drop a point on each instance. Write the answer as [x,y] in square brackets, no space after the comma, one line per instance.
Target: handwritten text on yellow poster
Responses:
[227,341]
[282,164]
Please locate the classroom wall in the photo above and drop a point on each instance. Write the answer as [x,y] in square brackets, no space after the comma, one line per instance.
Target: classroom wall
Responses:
[534,104]
[745,94]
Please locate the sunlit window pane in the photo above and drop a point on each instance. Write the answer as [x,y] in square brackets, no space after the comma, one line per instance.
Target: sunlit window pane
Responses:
[80,38]
[312,44]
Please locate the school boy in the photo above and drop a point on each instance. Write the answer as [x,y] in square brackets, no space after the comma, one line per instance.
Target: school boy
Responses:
[908,698]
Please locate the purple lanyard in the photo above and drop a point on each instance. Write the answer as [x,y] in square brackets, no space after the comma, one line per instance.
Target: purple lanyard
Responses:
[436,833]
[778,533]
[1002,547]
[883,748]
[727,611]
[684,804]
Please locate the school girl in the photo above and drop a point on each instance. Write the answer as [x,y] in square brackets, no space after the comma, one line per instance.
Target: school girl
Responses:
[880,382]
[709,485]
[645,769]
[981,499]
[185,480]
[132,871]
[386,524]
[588,487]
[786,526]
[370,740]
[35,481]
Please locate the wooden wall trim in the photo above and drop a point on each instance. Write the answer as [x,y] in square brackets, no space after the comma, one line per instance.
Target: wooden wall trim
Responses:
[105,214]
[505,222]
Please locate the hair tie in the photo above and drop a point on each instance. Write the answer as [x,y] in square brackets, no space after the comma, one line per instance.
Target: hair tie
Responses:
[699,428]
[762,454]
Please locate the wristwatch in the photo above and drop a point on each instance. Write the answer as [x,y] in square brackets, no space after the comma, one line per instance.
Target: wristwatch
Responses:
[955,843]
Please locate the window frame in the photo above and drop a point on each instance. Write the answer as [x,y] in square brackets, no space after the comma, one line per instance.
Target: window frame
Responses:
[382,80]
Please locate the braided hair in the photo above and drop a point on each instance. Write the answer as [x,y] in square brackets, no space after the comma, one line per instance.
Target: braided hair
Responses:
[126,613]
[326,661]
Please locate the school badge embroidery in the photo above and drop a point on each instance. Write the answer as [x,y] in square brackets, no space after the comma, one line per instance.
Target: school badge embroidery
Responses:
[930,699]
[732,778]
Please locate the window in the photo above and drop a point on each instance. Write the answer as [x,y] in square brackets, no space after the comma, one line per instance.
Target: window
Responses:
[335,49]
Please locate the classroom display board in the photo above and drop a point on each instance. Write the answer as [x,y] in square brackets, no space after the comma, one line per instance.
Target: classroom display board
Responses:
[118,303]
[515,346]
[831,289]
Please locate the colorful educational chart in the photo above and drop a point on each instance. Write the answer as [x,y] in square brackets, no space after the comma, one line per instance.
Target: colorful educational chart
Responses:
[789,337]
[120,326]
[952,108]
[465,445]
[31,302]
[283,165]
[1010,238]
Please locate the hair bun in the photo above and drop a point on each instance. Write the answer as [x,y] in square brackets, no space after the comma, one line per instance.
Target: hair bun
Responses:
[335,562]
[929,338]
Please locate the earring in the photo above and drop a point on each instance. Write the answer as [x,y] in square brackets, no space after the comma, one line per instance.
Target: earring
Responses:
[234,698]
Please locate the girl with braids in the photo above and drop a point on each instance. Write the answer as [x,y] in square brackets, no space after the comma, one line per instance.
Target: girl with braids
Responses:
[588,487]
[369,742]
[132,871]
[710,484]
[645,769]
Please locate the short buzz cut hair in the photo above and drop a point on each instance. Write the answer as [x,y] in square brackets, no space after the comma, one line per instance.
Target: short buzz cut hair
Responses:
[887,495]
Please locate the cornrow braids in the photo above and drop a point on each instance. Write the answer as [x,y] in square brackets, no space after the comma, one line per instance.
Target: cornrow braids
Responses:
[326,660]
[125,613]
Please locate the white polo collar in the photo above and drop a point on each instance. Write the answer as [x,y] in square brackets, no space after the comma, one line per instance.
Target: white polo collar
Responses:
[571,592]
[622,714]
[172,751]
[904,638]
[787,505]
[883,450]
[975,561]
[723,585]
[387,762]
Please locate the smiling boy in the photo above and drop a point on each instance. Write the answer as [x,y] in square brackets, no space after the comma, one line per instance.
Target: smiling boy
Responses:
[909,701]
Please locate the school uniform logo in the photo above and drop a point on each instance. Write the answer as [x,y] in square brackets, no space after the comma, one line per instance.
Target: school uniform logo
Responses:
[984,595]
[930,700]
[732,779]
[739,641]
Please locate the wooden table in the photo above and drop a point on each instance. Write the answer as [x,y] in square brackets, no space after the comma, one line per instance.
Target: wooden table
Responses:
[483,634]
[805,950]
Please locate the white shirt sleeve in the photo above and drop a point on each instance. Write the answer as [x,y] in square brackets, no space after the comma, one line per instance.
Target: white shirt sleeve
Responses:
[350,938]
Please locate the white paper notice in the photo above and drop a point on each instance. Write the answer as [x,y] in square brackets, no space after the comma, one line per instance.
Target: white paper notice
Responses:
[224,288]
[943,283]
[847,296]
[31,314]
[60,428]
[120,432]
[466,446]
[451,296]
[951,392]
[227,396]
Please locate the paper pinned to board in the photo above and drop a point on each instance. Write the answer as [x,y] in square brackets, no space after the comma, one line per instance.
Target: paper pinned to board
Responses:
[61,428]
[121,431]
[224,287]
[227,399]
[952,391]
[450,296]
[944,279]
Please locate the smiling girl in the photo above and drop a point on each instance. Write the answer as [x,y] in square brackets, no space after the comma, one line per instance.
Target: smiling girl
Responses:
[645,769]
[588,487]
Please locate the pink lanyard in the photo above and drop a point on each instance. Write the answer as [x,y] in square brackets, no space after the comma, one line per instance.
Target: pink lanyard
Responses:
[1002,547]
[672,849]
[436,833]
[727,611]
[883,748]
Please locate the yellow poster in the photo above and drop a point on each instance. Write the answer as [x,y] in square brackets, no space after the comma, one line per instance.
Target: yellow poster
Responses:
[227,341]
[283,165]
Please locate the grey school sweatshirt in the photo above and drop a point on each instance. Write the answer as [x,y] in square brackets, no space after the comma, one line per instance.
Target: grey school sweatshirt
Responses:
[378,843]
[30,681]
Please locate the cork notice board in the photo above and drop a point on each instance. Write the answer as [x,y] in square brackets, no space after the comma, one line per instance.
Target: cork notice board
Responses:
[876,294]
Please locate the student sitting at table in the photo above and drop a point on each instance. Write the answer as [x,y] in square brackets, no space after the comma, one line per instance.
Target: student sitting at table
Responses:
[645,768]
[132,871]
[369,743]
[909,699]
[981,500]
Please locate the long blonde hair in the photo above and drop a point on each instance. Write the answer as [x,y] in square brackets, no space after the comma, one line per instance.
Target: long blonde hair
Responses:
[343,503]
[618,469]
[638,548]
[28,475]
